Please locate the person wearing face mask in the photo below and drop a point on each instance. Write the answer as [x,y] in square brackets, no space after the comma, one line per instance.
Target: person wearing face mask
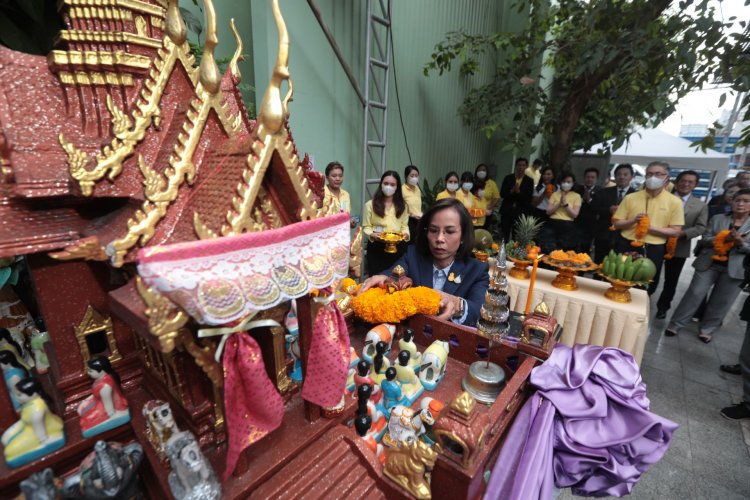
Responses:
[664,210]
[542,192]
[451,187]
[516,192]
[335,198]
[558,233]
[491,192]
[464,194]
[385,213]
[480,205]
[412,197]
[441,260]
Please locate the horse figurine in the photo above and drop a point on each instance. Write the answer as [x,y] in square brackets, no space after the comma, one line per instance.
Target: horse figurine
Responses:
[407,464]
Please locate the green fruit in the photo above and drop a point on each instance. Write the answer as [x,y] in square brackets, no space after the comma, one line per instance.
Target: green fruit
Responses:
[620,267]
[629,271]
[637,264]
[647,270]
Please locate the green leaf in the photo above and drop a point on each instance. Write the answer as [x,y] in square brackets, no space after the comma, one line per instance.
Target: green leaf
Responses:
[722,99]
[191,21]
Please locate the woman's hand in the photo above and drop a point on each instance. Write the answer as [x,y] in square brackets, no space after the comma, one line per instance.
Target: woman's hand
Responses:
[406,236]
[376,236]
[372,281]
[449,305]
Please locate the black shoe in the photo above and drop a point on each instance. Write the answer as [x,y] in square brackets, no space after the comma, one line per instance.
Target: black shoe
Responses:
[733,369]
[737,412]
[661,313]
[670,333]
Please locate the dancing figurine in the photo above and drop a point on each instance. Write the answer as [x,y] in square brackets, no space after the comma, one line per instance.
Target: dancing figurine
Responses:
[13,372]
[37,432]
[410,384]
[362,424]
[363,377]
[106,408]
[406,343]
[379,363]
[391,389]
[367,407]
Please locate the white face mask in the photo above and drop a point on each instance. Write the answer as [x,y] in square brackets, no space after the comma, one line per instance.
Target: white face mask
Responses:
[480,193]
[566,186]
[481,174]
[452,186]
[413,181]
[388,190]
[654,183]
[467,186]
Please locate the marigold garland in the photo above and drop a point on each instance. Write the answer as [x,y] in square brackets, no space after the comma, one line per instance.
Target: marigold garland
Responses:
[670,248]
[377,306]
[548,190]
[722,246]
[641,229]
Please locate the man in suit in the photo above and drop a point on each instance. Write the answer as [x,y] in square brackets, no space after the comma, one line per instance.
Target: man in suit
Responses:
[586,220]
[516,192]
[604,206]
[696,218]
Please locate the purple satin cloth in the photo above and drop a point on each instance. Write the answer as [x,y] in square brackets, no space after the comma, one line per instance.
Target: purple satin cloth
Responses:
[587,428]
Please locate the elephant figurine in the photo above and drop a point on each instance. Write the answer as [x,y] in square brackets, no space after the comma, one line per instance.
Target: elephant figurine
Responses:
[110,471]
[40,486]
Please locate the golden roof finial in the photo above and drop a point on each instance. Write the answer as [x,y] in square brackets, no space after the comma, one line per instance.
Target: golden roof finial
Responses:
[542,308]
[464,404]
[237,54]
[174,25]
[209,71]
[273,111]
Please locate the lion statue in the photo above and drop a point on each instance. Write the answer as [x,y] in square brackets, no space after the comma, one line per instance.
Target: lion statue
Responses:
[407,464]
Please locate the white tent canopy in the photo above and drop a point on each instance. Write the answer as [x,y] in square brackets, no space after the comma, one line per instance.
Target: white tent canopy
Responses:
[650,145]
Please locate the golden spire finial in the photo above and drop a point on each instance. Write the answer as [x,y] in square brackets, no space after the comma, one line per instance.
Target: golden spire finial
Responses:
[542,308]
[237,54]
[209,71]
[464,404]
[174,25]
[273,111]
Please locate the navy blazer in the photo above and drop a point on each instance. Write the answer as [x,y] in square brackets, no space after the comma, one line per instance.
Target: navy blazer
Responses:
[474,277]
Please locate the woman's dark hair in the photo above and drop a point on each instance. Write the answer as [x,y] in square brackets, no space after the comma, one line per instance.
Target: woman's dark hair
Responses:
[332,165]
[102,364]
[5,335]
[380,349]
[486,168]
[378,199]
[31,386]
[467,228]
[8,358]
[478,184]
[362,423]
[742,191]
[449,175]
[409,169]
[467,177]
[541,175]
[565,174]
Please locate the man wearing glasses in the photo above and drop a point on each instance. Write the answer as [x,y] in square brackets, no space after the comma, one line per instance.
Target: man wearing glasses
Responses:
[665,215]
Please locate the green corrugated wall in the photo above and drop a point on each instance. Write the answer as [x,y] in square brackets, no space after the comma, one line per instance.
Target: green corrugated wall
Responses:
[326,115]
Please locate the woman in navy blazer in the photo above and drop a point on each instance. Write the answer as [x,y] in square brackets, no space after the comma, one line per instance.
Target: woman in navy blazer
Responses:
[441,259]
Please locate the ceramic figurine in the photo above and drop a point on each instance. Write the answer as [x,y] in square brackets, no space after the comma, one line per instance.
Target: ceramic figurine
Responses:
[38,339]
[410,384]
[367,407]
[192,477]
[381,333]
[362,424]
[351,385]
[37,433]
[353,358]
[11,344]
[291,323]
[363,377]
[431,409]
[110,471]
[106,408]
[40,486]
[434,360]
[379,363]
[406,343]
[391,389]
[160,425]
[13,372]
[404,426]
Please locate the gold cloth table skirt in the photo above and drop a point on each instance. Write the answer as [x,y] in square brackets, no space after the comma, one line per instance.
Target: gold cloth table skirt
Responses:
[587,317]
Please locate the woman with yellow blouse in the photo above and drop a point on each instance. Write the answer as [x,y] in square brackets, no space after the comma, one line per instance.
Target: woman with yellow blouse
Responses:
[451,187]
[559,232]
[480,204]
[491,192]
[385,213]
[336,199]
[412,197]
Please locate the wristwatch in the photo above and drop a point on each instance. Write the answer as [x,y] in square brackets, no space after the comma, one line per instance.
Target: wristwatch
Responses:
[458,314]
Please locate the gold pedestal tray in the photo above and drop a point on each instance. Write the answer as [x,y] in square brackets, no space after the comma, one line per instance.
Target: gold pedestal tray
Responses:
[566,275]
[620,289]
[481,256]
[520,269]
[391,240]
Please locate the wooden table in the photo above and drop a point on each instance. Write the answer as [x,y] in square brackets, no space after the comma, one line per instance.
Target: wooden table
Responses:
[586,315]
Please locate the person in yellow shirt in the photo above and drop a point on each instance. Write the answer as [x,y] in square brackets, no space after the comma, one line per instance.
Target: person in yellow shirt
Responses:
[491,192]
[479,205]
[335,198]
[412,197]
[535,171]
[385,213]
[558,233]
[664,210]
[451,187]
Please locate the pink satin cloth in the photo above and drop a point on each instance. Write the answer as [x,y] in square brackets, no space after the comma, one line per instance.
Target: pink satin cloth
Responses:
[252,404]
[328,360]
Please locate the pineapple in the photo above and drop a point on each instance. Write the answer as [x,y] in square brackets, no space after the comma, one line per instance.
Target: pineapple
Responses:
[524,231]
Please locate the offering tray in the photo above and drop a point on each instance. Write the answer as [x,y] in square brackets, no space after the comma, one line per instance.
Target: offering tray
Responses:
[391,240]
[566,274]
[620,289]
